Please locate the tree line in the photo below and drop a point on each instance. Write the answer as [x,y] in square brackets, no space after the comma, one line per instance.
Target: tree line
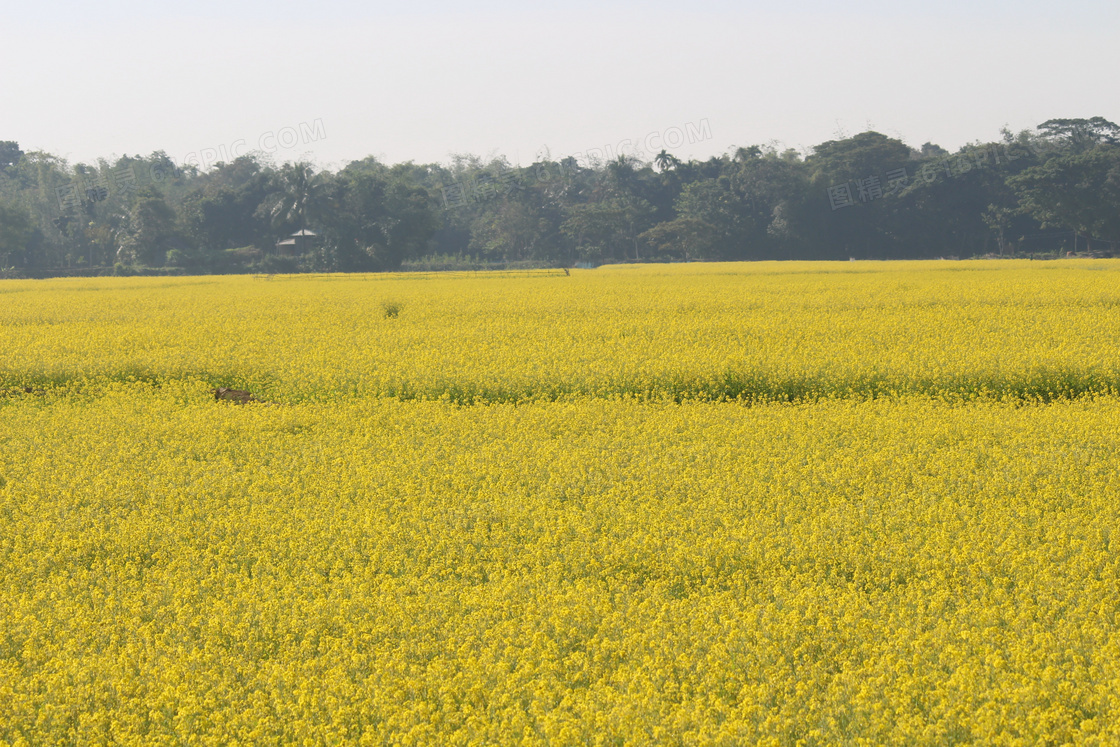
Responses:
[1053,189]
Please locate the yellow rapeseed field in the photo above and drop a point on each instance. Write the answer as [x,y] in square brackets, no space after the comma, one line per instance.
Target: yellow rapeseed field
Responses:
[696,505]
[764,330]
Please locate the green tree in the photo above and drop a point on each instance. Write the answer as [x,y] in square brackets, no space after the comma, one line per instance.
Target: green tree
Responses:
[712,204]
[1080,192]
[295,202]
[1080,135]
[374,217]
[10,154]
[149,230]
[666,161]
[15,233]
[514,229]
[772,191]
[221,213]
[857,157]
[861,163]
[681,238]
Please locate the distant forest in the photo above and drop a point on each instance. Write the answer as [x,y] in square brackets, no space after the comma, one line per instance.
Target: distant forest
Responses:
[1047,191]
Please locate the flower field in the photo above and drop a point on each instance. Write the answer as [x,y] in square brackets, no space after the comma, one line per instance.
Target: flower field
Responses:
[755,331]
[705,504]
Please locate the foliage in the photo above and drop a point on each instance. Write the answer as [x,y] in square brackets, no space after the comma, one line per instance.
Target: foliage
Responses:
[392,309]
[15,232]
[1080,191]
[868,196]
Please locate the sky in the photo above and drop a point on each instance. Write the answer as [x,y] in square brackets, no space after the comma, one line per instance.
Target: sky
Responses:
[334,81]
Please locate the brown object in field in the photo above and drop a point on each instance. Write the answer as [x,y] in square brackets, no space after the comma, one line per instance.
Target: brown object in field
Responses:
[239,396]
[23,390]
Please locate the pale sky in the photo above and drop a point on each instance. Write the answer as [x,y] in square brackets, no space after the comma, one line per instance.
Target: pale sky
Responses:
[338,80]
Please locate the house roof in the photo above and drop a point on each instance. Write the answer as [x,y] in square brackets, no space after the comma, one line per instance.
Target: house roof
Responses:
[305,232]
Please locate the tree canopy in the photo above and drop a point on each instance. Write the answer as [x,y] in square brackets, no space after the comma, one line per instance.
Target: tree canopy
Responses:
[1050,189]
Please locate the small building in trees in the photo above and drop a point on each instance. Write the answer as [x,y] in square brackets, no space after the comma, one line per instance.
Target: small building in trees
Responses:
[297,244]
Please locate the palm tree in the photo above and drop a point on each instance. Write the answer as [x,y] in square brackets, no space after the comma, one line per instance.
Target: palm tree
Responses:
[666,160]
[621,173]
[745,155]
[297,197]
